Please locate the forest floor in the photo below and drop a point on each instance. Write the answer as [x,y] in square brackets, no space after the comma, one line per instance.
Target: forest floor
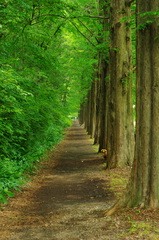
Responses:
[66,199]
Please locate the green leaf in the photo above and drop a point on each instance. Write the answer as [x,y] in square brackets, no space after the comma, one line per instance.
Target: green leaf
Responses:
[10,194]
[3,199]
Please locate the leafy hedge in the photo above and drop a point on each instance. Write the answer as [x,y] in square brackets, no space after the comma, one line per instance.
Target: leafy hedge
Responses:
[32,120]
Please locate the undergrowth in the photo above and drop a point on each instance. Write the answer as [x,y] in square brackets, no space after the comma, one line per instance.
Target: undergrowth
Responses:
[32,120]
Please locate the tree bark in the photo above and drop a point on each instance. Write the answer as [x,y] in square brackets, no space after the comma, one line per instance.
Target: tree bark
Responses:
[102,108]
[103,73]
[120,134]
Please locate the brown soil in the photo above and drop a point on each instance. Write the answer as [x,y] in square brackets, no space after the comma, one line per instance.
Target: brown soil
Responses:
[68,196]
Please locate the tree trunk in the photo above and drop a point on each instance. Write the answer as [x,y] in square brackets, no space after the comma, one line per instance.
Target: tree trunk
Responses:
[103,73]
[120,119]
[102,108]
[93,117]
[97,126]
[88,113]
[144,183]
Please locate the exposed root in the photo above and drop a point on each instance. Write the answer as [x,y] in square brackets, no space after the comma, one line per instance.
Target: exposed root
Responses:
[111,211]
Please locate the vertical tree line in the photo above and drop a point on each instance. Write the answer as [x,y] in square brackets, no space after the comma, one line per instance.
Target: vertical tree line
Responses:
[117,120]
[112,128]
[143,188]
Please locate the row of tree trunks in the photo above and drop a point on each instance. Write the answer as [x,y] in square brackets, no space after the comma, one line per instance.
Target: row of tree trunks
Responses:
[143,187]
[111,125]
[94,110]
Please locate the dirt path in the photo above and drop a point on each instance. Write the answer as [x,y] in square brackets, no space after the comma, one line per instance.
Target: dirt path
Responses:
[66,199]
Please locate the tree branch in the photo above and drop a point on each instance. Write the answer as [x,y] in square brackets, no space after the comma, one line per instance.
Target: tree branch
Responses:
[67,18]
[58,28]
[89,16]
[81,33]
[88,29]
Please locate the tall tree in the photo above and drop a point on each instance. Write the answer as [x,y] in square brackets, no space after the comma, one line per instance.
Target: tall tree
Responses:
[143,187]
[144,190]
[103,71]
[120,136]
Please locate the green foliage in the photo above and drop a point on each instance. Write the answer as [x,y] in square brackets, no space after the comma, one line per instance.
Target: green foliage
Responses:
[10,178]
[32,119]
[32,116]
[146,19]
[46,67]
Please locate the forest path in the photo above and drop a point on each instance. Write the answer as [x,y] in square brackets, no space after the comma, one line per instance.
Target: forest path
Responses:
[66,199]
